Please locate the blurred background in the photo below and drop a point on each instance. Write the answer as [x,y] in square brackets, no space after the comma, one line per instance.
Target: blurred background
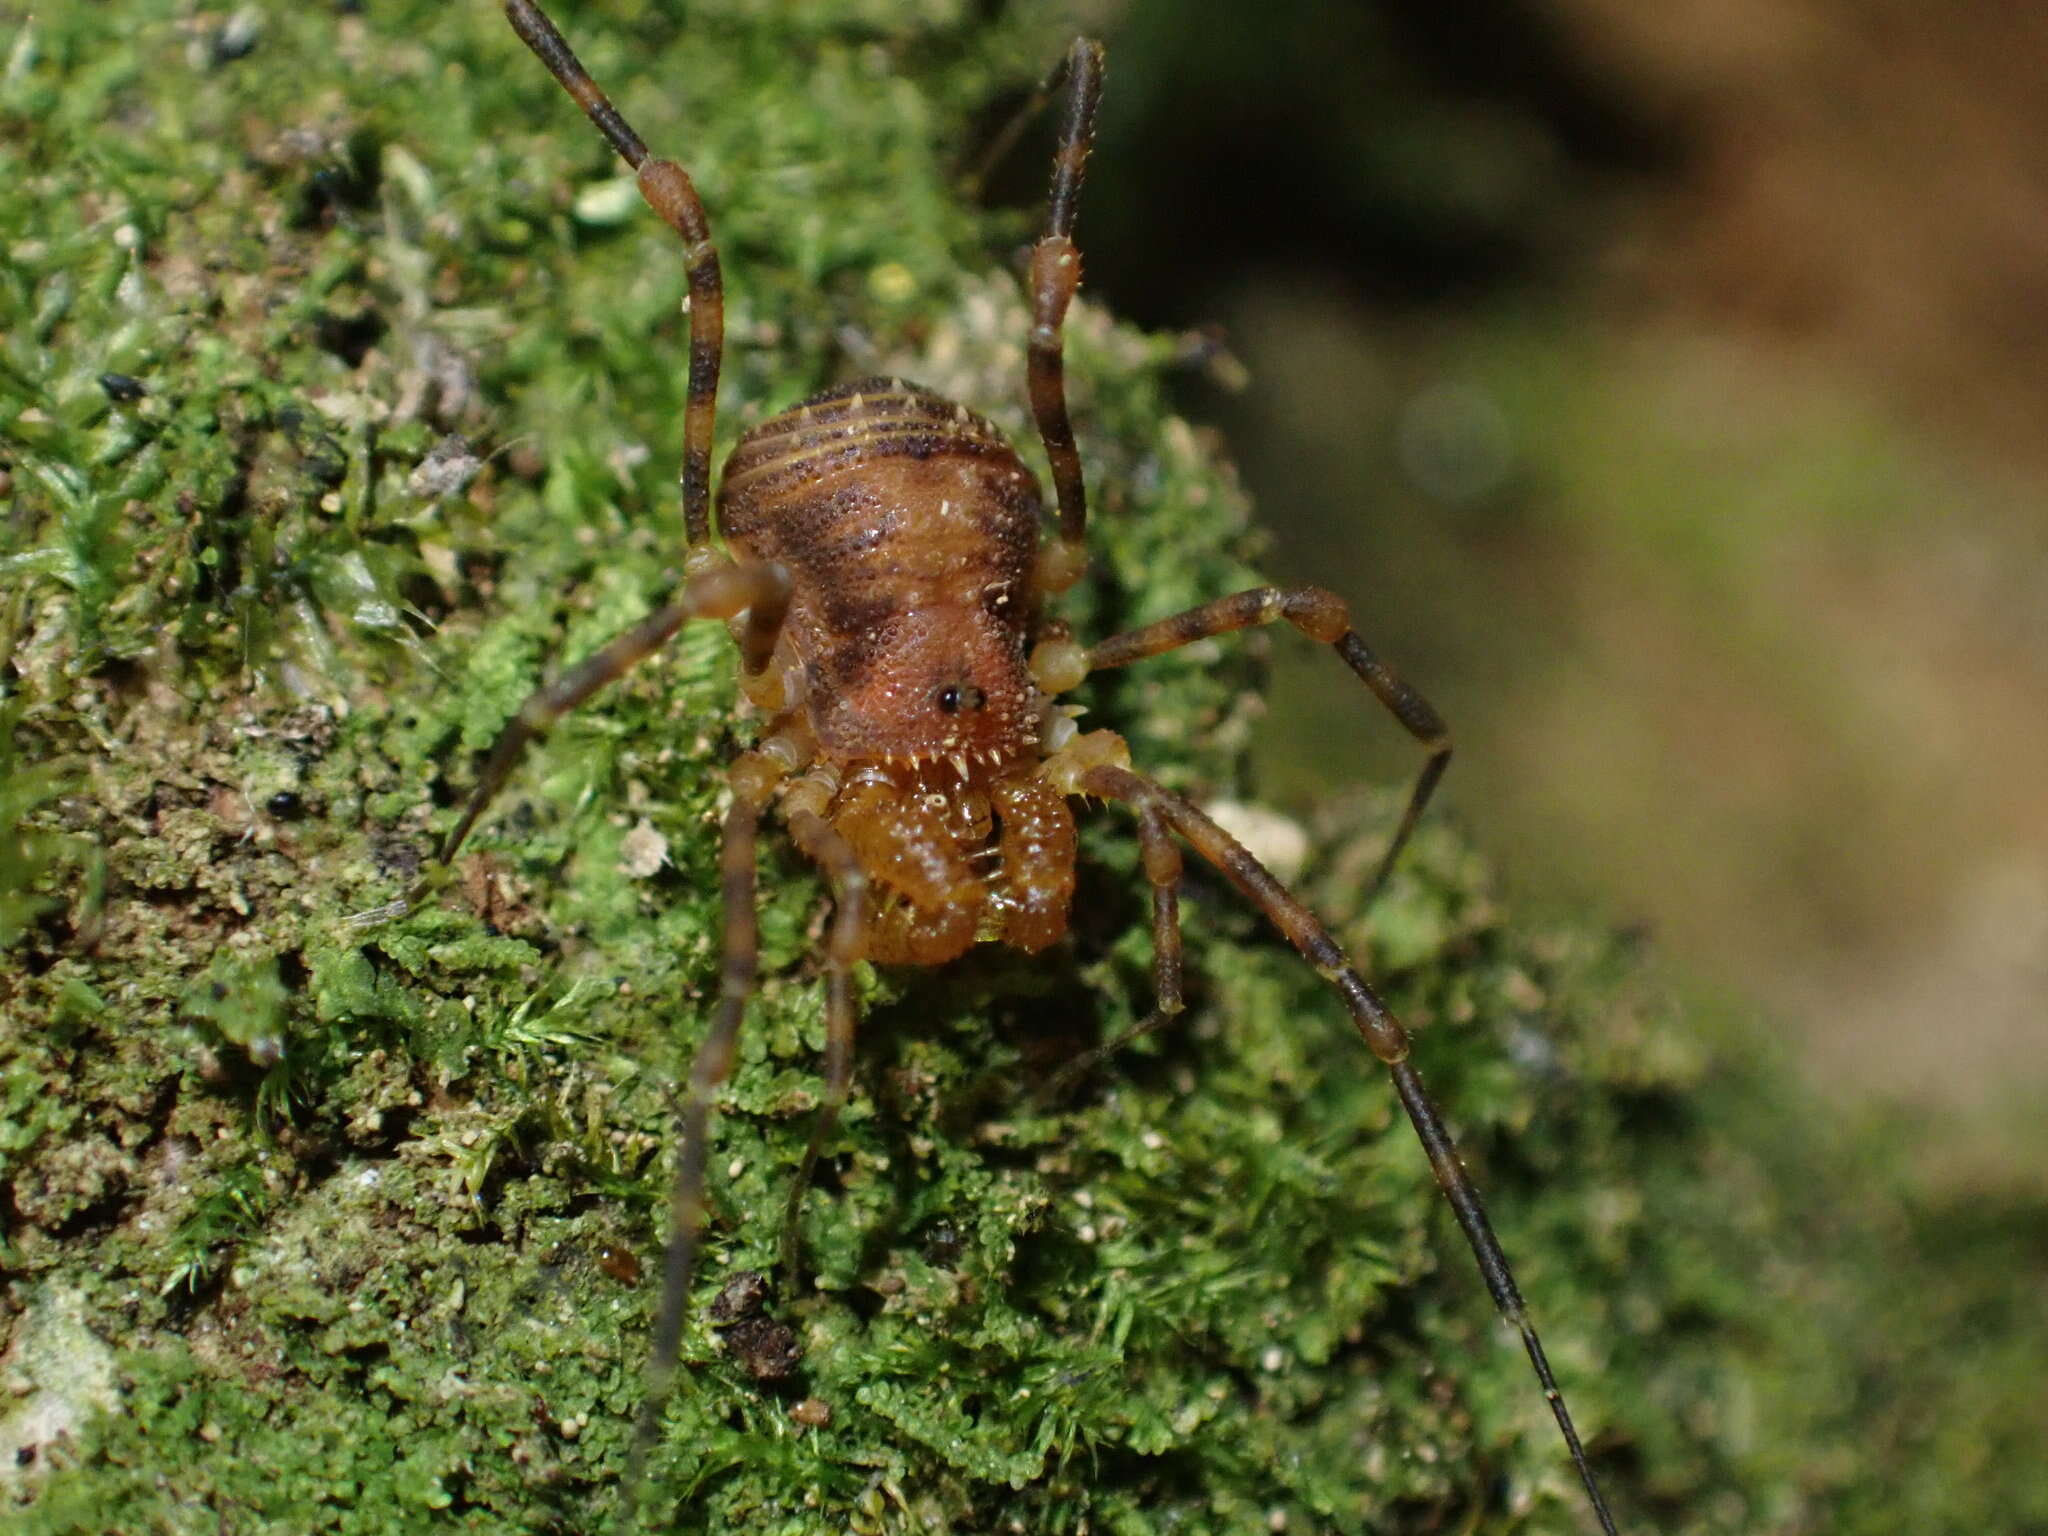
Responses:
[1664,386]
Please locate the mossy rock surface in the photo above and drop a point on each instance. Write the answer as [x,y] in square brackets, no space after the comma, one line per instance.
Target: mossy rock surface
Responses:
[322,1225]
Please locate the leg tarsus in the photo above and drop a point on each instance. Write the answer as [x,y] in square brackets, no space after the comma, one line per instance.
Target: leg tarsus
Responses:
[1418,717]
[1493,1265]
[1012,130]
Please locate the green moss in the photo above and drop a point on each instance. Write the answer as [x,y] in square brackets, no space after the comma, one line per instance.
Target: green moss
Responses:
[338,1209]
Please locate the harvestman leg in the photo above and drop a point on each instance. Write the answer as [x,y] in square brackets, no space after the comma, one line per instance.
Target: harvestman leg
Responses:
[715,591]
[761,592]
[1387,1040]
[754,778]
[721,591]
[1160,855]
[669,193]
[708,1072]
[1323,617]
[843,946]
[1055,275]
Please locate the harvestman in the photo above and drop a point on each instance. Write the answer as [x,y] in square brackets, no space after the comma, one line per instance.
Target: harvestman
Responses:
[885,584]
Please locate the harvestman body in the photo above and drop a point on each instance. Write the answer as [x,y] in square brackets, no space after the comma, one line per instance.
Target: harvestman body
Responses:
[885,586]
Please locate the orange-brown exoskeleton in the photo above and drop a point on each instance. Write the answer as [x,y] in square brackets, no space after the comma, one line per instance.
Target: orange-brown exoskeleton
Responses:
[886,578]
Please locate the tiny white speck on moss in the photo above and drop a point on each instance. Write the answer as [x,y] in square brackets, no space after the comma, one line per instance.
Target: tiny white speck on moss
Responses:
[642,851]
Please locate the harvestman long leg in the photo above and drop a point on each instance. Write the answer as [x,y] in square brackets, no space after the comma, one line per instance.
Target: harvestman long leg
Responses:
[709,1069]
[760,591]
[720,591]
[1387,1040]
[1323,617]
[832,853]
[669,193]
[754,776]
[1055,276]
[1160,856]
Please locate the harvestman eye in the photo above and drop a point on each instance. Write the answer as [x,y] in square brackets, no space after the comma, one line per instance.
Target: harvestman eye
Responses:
[937,835]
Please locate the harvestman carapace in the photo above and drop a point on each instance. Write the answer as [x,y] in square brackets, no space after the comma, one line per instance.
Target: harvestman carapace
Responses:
[885,578]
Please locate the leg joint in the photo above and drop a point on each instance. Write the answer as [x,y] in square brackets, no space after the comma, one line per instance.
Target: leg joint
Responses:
[1317,612]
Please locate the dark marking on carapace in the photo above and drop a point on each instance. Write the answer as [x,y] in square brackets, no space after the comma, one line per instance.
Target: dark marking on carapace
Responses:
[910,528]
